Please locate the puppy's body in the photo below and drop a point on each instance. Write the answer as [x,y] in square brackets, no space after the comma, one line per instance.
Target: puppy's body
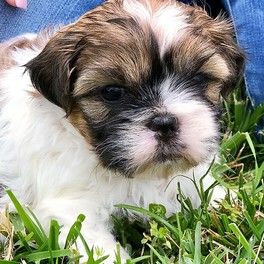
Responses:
[48,165]
[69,154]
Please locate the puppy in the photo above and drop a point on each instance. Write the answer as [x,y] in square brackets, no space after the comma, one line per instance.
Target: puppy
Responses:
[118,107]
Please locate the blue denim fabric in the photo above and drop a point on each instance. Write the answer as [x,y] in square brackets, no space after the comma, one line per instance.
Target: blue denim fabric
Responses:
[40,14]
[248,18]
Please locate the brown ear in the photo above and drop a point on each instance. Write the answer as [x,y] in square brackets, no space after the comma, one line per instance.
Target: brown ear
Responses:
[221,33]
[53,71]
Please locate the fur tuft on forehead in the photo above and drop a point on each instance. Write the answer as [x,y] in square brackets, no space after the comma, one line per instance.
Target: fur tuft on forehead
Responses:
[167,19]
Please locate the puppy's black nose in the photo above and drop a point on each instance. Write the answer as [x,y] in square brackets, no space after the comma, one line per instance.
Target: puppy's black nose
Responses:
[164,125]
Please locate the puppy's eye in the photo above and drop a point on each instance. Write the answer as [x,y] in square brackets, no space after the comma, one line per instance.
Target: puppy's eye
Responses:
[112,93]
[201,78]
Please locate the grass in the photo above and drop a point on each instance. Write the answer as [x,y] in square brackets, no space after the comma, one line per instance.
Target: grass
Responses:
[232,232]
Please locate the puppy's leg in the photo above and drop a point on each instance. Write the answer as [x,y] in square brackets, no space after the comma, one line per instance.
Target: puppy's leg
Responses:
[96,228]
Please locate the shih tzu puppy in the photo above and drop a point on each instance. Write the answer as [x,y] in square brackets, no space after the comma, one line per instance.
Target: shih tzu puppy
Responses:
[118,107]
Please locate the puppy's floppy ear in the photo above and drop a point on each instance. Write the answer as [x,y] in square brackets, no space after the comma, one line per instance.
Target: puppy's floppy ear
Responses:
[53,71]
[221,33]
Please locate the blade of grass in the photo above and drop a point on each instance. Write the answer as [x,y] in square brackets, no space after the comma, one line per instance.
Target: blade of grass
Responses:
[54,235]
[156,253]
[252,226]
[38,256]
[152,215]
[197,252]
[74,231]
[136,260]
[244,241]
[8,262]
[28,222]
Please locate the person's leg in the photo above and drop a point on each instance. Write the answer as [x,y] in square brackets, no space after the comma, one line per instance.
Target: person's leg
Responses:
[248,17]
[40,14]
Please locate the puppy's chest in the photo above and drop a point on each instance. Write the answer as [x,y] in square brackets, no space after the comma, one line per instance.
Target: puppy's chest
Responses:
[136,192]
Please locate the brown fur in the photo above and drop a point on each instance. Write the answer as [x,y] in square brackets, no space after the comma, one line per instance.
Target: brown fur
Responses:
[219,31]
[77,119]
[107,46]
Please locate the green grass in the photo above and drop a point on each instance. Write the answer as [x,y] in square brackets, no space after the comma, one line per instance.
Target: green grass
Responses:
[232,232]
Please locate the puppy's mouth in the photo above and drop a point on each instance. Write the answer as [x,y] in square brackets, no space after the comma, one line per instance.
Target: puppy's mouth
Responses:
[168,158]
[171,152]
[168,150]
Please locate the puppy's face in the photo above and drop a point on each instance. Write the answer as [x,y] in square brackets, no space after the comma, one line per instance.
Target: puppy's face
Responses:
[141,81]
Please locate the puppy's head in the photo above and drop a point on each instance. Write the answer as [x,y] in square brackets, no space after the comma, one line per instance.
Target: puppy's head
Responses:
[141,81]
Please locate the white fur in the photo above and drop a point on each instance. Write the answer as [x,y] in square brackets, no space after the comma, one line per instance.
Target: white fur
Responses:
[198,130]
[168,22]
[49,165]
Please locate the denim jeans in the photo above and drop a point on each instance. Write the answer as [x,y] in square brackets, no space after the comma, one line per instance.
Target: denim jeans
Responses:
[248,18]
[40,14]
